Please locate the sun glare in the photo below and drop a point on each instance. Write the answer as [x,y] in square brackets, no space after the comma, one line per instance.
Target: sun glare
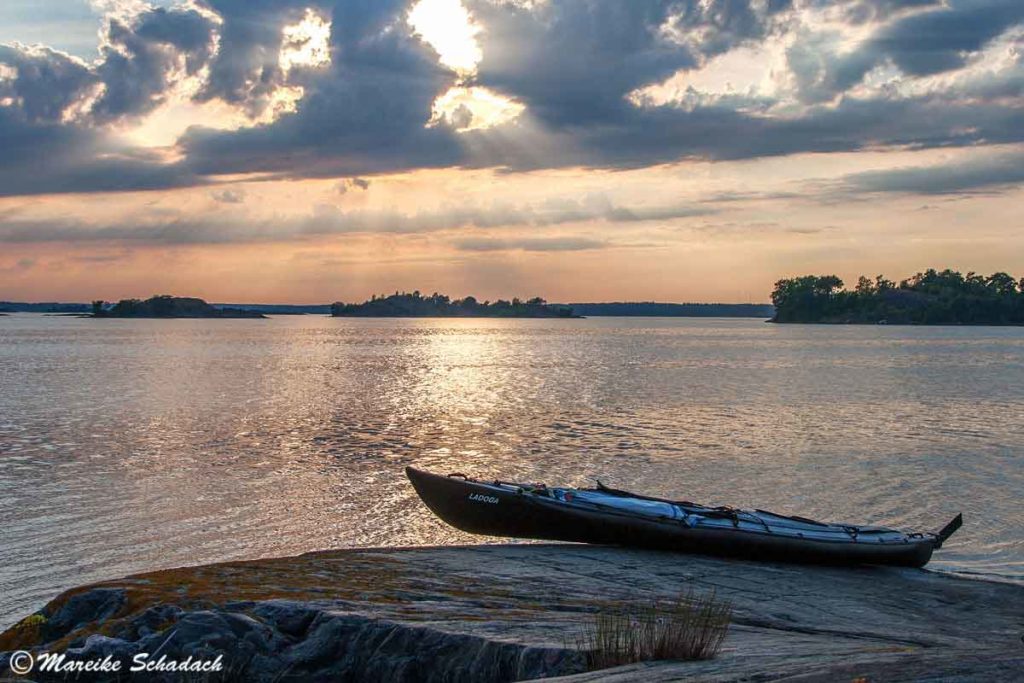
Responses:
[307,43]
[473,108]
[448,27]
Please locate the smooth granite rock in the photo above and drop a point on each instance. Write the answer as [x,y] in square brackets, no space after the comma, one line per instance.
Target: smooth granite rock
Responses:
[512,612]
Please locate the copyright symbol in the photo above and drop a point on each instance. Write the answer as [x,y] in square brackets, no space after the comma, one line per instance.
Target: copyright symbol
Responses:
[21,662]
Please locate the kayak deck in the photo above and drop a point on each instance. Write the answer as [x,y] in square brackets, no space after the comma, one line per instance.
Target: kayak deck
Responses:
[752,521]
[610,516]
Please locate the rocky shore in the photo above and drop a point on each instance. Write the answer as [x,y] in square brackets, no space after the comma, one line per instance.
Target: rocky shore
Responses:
[511,612]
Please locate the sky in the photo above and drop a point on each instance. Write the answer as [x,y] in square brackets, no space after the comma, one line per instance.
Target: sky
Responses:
[303,151]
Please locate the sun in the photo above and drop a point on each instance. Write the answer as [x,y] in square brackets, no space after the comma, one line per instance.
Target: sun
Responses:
[448,27]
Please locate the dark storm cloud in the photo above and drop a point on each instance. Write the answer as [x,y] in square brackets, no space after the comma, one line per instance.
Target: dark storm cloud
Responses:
[936,40]
[50,157]
[974,175]
[571,63]
[45,84]
[106,174]
[365,113]
[941,39]
[138,61]
[666,134]
[49,128]
[246,71]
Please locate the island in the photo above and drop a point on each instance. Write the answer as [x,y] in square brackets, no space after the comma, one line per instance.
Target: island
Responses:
[415,305]
[933,297]
[495,613]
[166,306]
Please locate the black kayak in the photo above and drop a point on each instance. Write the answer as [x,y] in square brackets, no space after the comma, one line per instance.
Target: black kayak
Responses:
[614,517]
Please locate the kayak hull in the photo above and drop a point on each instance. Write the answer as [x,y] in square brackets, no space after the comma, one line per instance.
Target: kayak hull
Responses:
[479,508]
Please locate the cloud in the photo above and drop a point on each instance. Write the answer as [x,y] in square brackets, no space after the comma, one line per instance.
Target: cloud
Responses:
[53,107]
[358,183]
[337,88]
[573,62]
[656,213]
[50,157]
[175,227]
[41,84]
[865,11]
[987,173]
[101,258]
[530,244]
[572,65]
[364,113]
[246,70]
[939,39]
[141,61]
[22,265]
[942,38]
[228,196]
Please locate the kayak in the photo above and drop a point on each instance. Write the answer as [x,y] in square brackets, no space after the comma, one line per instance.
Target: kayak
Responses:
[614,517]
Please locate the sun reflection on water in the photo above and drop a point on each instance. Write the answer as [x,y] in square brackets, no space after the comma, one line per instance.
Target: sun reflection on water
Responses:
[132,445]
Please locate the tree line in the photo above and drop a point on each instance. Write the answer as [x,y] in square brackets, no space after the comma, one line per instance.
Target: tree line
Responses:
[933,297]
[416,305]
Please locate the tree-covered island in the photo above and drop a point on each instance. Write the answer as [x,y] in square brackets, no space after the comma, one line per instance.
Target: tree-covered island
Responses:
[929,298]
[415,305]
[166,306]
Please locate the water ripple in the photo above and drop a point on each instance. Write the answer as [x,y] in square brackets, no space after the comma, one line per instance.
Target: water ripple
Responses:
[134,445]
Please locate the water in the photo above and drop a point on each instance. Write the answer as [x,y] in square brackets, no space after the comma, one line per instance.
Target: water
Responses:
[128,445]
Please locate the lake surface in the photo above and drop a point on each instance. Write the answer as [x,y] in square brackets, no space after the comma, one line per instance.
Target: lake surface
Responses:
[129,445]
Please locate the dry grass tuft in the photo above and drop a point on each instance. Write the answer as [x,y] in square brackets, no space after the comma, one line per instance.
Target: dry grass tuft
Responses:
[690,627]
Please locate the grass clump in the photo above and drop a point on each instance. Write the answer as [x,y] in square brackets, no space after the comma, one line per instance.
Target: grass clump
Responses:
[690,627]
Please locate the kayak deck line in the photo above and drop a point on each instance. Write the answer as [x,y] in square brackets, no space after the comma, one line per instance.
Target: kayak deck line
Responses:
[611,516]
[740,520]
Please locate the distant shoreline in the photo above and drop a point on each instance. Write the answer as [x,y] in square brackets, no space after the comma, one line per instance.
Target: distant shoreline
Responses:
[616,309]
[654,309]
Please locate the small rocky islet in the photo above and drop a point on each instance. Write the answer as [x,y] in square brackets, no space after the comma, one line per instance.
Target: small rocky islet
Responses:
[513,612]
